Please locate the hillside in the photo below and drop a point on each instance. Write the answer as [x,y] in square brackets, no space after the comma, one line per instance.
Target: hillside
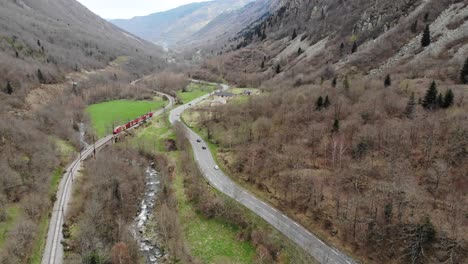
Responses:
[57,37]
[361,134]
[56,57]
[170,27]
[220,29]
[384,34]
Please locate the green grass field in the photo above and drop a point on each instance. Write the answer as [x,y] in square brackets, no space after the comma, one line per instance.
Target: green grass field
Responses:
[210,240]
[195,90]
[105,116]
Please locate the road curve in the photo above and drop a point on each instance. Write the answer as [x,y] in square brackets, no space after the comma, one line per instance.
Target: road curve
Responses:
[53,251]
[318,249]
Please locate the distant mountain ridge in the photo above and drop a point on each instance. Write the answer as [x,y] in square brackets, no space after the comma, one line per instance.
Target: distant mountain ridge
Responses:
[170,27]
[225,26]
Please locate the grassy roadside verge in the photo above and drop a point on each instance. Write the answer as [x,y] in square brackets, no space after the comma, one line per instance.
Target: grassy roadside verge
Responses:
[212,240]
[209,240]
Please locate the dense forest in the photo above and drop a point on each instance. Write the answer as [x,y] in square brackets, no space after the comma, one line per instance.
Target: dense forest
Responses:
[377,168]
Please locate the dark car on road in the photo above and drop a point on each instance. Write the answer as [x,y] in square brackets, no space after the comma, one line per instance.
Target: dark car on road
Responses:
[198,140]
[203,147]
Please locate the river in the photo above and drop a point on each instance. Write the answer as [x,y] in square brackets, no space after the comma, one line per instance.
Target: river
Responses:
[142,231]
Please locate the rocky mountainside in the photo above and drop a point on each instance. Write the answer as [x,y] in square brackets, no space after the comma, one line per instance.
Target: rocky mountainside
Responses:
[169,27]
[361,135]
[372,36]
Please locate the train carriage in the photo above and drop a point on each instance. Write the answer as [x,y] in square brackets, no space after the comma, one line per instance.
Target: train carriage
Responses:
[133,123]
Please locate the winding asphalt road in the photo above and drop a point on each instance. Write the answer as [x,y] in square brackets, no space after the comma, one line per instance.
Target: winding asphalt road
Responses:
[53,252]
[322,252]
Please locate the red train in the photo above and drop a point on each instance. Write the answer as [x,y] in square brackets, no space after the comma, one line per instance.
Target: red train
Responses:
[132,123]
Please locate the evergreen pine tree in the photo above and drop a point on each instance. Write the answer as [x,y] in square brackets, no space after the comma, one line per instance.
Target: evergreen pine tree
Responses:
[299,51]
[278,68]
[409,111]
[430,99]
[326,104]
[388,81]
[336,126]
[294,35]
[440,101]
[319,104]
[9,88]
[426,38]
[354,48]
[334,82]
[464,73]
[448,99]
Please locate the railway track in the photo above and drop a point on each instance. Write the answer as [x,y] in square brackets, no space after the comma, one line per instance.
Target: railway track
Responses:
[53,251]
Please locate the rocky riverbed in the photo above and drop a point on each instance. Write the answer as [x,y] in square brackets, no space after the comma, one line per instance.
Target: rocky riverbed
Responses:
[143,228]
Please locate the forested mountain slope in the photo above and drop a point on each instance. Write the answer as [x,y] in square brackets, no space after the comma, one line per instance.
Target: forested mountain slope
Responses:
[361,134]
[55,58]
[310,37]
[57,37]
